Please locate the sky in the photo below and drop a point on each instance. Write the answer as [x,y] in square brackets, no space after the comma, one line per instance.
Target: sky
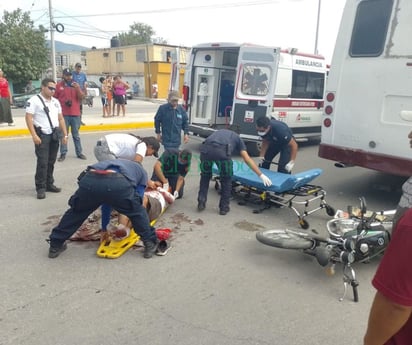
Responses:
[277,23]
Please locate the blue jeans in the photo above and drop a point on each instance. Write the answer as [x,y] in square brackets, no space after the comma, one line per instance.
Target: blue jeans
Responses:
[72,122]
[94,190]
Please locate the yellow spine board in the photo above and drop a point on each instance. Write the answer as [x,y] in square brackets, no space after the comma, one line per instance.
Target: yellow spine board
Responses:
[113,249]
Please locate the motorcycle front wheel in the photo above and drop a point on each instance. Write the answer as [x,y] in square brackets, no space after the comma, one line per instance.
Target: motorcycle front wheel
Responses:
[287,239]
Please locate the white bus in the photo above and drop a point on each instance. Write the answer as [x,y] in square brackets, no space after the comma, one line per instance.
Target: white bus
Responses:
[231,85]
[368,103]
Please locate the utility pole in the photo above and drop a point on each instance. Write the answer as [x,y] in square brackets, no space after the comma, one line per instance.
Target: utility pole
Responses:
[317,28]
[52,44]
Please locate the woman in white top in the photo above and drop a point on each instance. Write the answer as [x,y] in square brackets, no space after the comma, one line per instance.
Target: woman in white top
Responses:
[125,146]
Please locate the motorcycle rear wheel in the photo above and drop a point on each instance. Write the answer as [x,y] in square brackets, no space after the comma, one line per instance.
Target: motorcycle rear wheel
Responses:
[284,239]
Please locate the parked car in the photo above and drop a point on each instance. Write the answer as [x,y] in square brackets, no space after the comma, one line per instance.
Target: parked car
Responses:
[93,90]
[129,93]
[20,99]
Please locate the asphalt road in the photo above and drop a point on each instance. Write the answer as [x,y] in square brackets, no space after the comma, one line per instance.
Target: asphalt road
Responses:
[217,285]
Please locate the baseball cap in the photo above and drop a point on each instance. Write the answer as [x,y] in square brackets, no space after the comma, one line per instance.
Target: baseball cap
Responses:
[78,65]
[67,71]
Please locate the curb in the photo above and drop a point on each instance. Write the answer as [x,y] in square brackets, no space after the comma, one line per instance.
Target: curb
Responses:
[87,128]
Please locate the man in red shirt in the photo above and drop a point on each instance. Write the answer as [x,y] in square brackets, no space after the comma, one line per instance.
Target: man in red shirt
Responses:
[390,320]
[70,95]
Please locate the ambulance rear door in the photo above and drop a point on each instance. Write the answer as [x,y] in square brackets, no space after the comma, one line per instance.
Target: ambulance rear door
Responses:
[254,88]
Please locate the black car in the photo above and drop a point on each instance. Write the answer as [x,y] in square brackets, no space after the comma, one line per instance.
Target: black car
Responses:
[20,99]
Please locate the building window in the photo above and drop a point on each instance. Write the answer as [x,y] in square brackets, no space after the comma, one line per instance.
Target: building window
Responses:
[140,55]
[119,56]
[61,60]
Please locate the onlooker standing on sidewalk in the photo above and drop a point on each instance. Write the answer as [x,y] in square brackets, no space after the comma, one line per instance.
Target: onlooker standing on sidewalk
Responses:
[135,89]
[170,120]
[155,90]
[105,100]
[41,129]
[119,91]
[80,78]
[70,96]
[6,100]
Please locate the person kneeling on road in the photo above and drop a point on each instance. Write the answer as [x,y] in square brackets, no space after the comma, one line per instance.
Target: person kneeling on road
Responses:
[119,183]
[171,169]
[218,148]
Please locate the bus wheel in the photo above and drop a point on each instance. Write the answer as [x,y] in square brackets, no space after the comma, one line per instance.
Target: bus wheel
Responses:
[253,148]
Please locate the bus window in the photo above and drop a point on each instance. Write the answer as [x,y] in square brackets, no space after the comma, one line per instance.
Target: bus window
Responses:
[370,28]
[307,85]
[255,80]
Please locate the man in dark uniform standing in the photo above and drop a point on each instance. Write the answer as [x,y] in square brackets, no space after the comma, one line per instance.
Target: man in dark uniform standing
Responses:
[119,183]
[218,148]
[277,138]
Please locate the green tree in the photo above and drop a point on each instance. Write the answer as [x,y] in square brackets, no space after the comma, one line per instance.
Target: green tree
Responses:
[139,33]
[23,51]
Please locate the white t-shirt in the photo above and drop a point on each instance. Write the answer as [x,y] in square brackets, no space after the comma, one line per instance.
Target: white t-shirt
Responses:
[36,108]
[125,146]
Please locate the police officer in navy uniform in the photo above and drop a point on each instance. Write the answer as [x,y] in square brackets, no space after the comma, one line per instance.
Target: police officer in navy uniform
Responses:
[277,138]
[119,183]
[218,148]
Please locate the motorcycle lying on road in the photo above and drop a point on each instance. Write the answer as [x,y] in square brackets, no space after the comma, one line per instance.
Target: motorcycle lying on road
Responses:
[355,236]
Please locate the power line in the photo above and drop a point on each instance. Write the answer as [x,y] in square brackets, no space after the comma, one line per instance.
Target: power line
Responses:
[176,9]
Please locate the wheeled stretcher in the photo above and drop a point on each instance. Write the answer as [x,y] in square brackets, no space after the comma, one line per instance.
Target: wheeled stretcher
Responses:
[287,190]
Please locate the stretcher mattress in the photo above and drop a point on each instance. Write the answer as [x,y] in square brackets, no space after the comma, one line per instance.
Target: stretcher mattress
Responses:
[281,183]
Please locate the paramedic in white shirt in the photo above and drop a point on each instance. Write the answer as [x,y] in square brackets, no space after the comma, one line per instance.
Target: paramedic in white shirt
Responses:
[125,146]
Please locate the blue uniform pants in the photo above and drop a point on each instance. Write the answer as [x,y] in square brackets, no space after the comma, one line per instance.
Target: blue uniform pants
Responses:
[95,190]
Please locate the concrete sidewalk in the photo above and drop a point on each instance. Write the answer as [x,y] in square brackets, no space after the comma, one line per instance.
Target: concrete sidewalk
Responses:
[93,119]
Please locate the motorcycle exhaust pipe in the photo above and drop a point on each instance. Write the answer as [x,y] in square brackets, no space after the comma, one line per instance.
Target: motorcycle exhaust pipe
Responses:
[342,165]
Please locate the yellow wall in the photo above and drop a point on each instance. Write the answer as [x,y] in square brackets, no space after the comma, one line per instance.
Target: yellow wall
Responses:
[160,73]
[157,68]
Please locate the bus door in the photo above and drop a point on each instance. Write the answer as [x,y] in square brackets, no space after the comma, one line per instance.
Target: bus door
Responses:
[254,88]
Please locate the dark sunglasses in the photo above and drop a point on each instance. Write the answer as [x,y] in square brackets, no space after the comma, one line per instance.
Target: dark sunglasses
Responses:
[51,88]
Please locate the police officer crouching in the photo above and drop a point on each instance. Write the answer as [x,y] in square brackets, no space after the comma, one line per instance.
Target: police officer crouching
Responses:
[119,183]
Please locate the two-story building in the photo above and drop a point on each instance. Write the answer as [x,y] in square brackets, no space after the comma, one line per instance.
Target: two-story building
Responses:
[147,64]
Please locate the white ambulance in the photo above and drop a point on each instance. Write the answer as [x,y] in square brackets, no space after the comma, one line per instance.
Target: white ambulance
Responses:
[231,85]
[368,103]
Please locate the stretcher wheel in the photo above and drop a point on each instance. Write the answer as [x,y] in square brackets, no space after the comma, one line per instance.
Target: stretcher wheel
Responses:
[330,210]
[303,223]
